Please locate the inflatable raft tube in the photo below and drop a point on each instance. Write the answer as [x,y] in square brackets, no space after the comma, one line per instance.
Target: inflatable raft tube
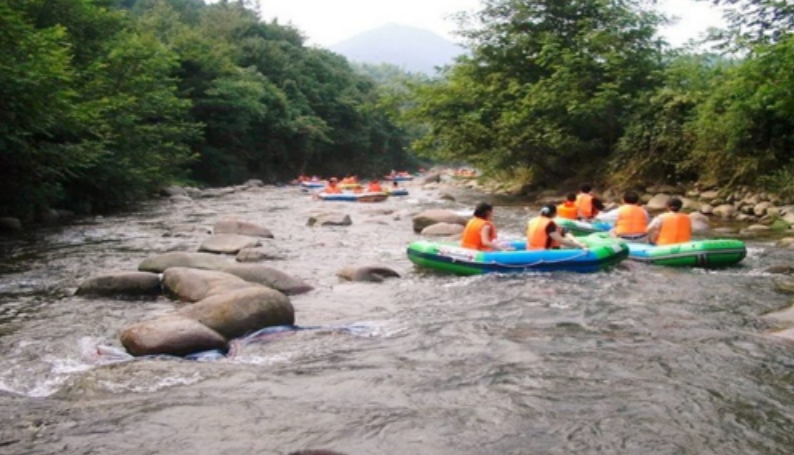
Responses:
[711,253]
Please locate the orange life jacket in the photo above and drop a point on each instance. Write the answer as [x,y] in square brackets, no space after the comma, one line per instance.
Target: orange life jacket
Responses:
[567,210]
[374,188]
[537,238]
[584,205]
[676,228]
[632,220]
[332,190]
[472,234]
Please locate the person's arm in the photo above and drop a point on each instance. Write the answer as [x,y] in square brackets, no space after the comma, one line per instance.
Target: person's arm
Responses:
[653,229]
[485,237]
[568,240]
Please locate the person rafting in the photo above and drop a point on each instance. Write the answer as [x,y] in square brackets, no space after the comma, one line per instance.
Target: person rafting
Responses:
[544,234]
[332,187]
[480,232]
[632,220]
[587,204]
[374,186]
[672,227]
[568,208]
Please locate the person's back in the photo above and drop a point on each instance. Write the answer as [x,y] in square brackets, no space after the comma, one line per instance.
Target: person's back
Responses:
[374,187]
[568,208]
[632,220]
[673,227]
[332,187]
[543,233]
[585,203]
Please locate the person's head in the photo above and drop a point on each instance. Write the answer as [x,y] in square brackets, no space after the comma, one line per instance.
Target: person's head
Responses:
[630,197]
[674,204]
[332,181]
[571,197]
[483,210]
[394,183]
[549,211]
[586,188]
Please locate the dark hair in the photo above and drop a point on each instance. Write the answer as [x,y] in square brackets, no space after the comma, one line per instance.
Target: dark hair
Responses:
[586,188]
[548,210]
[630,197]
[571,197]
[482,209]
[675,204]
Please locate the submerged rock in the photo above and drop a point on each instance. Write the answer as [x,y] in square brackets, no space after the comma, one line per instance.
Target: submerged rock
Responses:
[257,255]
[121,283]
[171,335]
[228,243]
[192,285]
[329,219]
[8,223]
[442,229]
[434,216]
[270,277]
[161,262]
[780,269]
[235,313]
[370,273]
[241,228]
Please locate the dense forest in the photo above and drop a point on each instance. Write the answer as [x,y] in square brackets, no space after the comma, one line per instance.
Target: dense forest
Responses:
[556,91]
[103,102]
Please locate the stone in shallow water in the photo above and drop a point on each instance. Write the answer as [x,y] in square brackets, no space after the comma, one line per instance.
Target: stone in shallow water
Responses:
[121,283]
[170,335]
[228,243]
[229,226]
[369,273]
[434,216]
[236,313]
[161,262]
[270,277]
[192,285]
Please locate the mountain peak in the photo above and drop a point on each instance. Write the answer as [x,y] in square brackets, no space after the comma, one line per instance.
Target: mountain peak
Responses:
[410,48]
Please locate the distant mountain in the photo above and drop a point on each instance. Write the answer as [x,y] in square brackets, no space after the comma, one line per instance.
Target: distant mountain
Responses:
[412,49]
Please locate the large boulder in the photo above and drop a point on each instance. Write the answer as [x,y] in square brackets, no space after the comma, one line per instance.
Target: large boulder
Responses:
[329,219]
[186,230]
[10,224]
[236,313]
[434,216]
[121,283]
[700,222]
[442,229]
[709,195]
[761,208]
[171,335]
[192,285]
[161,262]
[432,178]
[659,202]
[706,209]
[690,205]
[724,211]
[257,255]
[228,243]
[785,242]
[241,228]
[270,277]
[370,273]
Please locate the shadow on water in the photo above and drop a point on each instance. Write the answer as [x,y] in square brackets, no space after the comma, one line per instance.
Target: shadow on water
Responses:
[636,360]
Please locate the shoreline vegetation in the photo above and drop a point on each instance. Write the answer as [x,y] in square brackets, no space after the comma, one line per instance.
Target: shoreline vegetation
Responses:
[105,102]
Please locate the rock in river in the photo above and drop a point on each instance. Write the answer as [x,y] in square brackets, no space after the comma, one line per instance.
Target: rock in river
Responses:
[161,262]
[121,283]
[434,216]
[192,285]
[170,335]
[236,313]
[228,243]
[270,277]
[370,273]
[230,226]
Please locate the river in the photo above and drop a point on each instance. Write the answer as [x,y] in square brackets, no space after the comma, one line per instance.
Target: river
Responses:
[638,360]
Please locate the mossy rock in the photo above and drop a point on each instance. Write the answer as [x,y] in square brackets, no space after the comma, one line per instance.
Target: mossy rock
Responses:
[779,225]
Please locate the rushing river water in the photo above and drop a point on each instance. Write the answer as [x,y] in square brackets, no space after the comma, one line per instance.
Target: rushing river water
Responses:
[637,360]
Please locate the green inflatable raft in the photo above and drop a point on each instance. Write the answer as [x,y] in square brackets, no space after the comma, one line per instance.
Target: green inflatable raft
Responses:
[603,252]
[711,253]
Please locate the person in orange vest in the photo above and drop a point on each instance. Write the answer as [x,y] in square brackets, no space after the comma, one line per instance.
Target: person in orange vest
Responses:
[568,208]
[587,204]
[480,232]
[374,186]
[332,187]
[632,221]
[544,234]
[672,227]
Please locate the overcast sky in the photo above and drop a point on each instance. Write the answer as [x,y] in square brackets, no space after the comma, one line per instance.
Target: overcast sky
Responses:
[327,22]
